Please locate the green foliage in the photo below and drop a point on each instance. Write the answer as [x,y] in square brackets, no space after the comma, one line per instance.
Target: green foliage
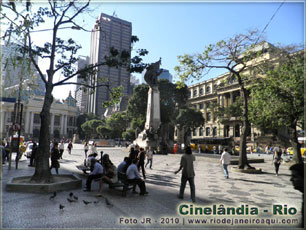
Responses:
[90,128]
[278,99]
[117,124]
[189,118]
[137,104]
[129,134]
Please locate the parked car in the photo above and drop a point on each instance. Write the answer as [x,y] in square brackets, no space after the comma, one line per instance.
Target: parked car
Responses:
[28,151]
[290,151]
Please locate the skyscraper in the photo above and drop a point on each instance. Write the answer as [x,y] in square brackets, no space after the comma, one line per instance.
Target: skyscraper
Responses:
[81,95]
[108,32]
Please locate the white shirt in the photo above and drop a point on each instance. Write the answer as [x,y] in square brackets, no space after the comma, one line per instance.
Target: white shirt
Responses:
[61,146]
[226,158]
[132,172]
[149,154]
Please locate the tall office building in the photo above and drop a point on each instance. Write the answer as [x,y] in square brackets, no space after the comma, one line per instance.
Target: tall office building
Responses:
[81,95]
[108,32]
[165,75]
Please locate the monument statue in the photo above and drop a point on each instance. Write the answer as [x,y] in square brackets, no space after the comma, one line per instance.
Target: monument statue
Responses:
[149,137]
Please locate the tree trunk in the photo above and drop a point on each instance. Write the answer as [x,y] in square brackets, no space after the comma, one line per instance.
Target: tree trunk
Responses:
[243,161]
[297,157]
[42,171]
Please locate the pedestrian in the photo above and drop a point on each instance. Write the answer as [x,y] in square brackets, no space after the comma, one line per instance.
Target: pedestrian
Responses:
[122,166]
[141,159]
[225,160]
[188,173]
[61,148]
[149,155]
[215,149]
[33,155]
[267,149]
[277,159]
[86,149]
[297,179]
[55,155]
[70,146]
[133,177]
[96,172]
[93,148]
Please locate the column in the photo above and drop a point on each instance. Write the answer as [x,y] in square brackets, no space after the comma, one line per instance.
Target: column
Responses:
[231,98]
[205,111]
[52,124]
[62,125]
[31,122]
[27,122]
[65,125]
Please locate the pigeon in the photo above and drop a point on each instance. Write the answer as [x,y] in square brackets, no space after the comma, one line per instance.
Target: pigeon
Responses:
[71,194]
[52,197]
[75,197]
[107,202]
[71,200]
[86,202]
[96,202]
[61,207]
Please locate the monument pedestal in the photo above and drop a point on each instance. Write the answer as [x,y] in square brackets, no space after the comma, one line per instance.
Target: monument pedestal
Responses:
[149,136]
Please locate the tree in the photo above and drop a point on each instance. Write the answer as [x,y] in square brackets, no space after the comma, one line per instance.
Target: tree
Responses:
[90,128]
[187,119]
[61,56]
[117,123]
[277,100]
[129,134]
[233,55]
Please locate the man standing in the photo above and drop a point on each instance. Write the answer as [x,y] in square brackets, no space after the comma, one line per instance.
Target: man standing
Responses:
[96,172]
[188,173]
[149,155]
[225,160]
[133,177]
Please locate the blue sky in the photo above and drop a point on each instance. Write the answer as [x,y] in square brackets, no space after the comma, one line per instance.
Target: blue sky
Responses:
[167,30]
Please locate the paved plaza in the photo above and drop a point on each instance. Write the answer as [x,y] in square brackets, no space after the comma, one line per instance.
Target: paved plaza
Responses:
[161,208]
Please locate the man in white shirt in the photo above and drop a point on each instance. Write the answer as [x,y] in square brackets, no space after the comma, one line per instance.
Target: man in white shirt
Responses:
[95,173]
[133,177]
[225,160]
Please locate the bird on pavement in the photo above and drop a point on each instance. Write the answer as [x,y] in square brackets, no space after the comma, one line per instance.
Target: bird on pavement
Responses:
[61,207]
[53,196]
[86,202]
[96,202]
[71,194]
[107,202]
[75,197]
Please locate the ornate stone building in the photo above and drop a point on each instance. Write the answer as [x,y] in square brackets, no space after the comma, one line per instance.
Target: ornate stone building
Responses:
[63,118]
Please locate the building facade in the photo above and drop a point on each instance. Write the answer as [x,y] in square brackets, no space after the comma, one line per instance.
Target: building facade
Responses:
[63,118]
[108,32]
[166,75]
[223,91]
[81,95]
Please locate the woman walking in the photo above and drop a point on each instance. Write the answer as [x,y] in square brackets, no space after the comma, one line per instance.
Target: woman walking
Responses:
[55,156]
[277,159]
[86,149]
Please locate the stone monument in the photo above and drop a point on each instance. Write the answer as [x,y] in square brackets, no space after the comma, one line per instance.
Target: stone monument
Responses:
[150,135]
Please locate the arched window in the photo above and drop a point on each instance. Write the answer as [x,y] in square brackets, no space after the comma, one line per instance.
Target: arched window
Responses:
[195,93]
[208,89]
[207,131]
[201,131]
[201,91]
[214,131]
[194,132]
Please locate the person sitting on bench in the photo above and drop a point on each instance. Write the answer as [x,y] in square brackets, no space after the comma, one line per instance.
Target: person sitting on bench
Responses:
[122,166]
[96,172]
[110,175]
[133,177]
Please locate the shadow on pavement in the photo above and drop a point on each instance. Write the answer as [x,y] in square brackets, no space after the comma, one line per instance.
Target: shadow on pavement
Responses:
[255,181]
[161,180]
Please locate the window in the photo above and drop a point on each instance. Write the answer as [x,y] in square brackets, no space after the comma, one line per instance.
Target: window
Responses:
[201,91]
[201,106]
[208,89]
[207,131]
[201,131]
[189,95]
[194,132]
[36,118]
[195,92]
[214,131]
[208,116]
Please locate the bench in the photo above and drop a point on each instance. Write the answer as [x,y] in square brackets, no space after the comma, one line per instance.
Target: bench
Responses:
[83,168]
[121,183]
